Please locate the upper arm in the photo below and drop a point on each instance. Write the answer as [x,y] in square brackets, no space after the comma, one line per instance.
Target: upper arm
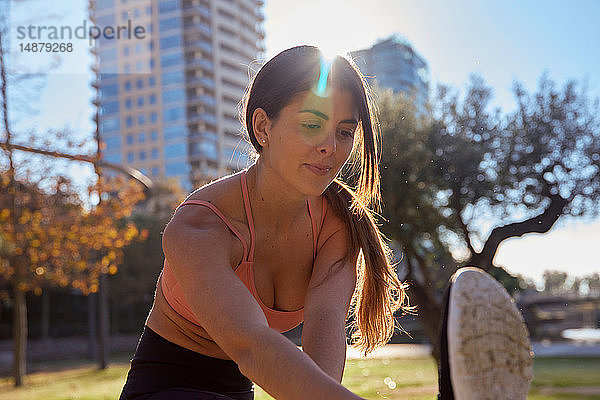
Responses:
[198,247]
[333,279]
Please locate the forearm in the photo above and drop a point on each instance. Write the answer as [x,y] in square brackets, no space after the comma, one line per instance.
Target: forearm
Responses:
[286,373]
[327,349]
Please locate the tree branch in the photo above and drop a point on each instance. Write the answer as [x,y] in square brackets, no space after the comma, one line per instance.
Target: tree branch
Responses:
[132,172]
[541,223]
[461,223]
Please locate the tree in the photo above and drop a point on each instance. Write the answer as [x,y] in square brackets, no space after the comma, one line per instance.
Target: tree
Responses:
[466,178]
[49,239]
[593,284]
[575,285]
[511,283]
[525,170]
[554,282]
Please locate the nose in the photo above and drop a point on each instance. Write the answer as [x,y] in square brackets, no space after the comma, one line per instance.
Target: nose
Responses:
[328,145]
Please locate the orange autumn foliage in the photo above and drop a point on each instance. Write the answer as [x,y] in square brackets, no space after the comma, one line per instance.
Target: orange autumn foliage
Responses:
[54,239]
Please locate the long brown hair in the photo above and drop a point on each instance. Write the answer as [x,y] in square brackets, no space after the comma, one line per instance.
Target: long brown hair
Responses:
[379,292]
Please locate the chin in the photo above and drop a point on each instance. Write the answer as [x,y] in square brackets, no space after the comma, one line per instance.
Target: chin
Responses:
[321,188]
[318,181]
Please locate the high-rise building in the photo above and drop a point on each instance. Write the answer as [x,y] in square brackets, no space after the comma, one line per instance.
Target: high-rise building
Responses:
[169,100]
[395,65]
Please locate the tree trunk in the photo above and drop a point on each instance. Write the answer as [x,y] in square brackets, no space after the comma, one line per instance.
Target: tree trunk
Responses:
[46,314]
[429,310]
[19,335]
[103,324]
[430,314]
[92,326]
[114,317]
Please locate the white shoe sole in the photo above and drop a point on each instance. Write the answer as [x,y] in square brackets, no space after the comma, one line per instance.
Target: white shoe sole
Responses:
[489,351]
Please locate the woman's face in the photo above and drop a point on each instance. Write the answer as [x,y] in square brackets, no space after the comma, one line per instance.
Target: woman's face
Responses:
[312,139]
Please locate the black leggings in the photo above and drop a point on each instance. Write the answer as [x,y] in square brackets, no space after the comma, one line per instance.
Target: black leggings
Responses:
[163,370]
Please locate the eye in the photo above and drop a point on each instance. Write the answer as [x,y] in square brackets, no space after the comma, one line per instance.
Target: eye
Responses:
[310,125]
[346,132]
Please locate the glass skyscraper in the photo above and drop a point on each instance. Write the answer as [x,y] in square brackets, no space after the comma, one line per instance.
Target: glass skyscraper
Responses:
[169,102]
[395,65]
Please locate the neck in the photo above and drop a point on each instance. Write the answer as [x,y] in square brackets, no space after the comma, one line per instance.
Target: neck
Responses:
[275,204]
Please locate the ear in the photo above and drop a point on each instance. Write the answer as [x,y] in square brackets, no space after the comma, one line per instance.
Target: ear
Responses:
[261,125]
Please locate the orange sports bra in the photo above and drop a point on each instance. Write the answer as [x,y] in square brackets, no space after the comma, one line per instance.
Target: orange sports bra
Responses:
[279,320]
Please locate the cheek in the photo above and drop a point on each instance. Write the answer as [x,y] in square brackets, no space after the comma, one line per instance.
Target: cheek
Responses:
[288,145]
[311,137]
[295,138]
[344,151]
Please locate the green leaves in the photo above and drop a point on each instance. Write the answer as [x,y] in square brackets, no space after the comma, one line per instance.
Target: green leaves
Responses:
[451,177]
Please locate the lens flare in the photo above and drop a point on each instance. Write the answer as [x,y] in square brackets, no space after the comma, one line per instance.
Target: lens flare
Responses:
[321,89]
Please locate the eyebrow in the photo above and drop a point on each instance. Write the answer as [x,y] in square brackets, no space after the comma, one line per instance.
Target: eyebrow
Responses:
[317,113]
[326,118]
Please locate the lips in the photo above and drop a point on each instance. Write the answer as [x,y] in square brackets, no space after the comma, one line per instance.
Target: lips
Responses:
[319,169]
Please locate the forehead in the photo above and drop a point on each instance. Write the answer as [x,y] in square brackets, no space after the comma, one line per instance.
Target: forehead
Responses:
[339,104]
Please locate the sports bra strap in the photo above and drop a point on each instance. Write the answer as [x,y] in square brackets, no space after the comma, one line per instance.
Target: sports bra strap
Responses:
[220,215]
[244,183]
[313,222]
[323,213]
[314,229]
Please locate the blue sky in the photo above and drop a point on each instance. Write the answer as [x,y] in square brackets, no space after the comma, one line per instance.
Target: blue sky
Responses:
[500,40]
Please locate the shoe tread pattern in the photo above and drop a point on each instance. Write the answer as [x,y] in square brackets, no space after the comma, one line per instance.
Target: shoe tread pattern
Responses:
[490,352]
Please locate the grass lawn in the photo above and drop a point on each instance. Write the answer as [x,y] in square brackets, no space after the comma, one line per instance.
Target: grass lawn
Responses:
[396,378]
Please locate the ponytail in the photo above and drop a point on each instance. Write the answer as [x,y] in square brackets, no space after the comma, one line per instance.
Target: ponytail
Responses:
[379,293]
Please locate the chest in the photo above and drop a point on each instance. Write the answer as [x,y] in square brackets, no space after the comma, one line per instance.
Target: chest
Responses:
[282,271]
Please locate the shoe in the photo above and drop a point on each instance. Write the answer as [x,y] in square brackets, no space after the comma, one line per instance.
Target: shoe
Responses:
[485,347]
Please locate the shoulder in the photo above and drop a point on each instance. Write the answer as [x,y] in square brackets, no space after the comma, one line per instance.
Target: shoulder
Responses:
[225,194]
[195,226]
[220,192]
[201,226]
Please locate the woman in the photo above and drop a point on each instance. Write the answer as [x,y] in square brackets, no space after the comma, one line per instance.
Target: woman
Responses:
[285,241]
